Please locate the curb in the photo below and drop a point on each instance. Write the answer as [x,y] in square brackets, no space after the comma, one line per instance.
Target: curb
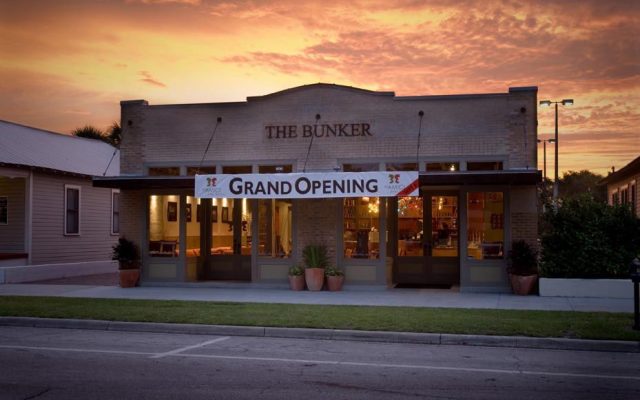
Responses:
[330,334]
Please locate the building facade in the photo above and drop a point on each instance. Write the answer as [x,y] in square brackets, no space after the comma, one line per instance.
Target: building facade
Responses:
[622,186]
[475,154]
[50,212]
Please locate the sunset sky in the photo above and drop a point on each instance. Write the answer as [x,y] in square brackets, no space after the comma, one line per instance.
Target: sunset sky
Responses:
[68,63]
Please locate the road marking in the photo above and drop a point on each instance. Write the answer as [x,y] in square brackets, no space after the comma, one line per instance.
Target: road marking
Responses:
[137,353]
[177,353]
[195,346]
[413,366]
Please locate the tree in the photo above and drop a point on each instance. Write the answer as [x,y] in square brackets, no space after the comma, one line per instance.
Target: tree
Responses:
[114,133]
[573,184]
[91,132]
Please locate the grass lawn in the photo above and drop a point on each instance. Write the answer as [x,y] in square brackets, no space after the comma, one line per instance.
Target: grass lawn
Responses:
[584,325]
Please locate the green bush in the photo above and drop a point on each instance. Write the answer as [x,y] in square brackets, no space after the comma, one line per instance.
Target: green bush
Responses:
[586,238]
[315,256]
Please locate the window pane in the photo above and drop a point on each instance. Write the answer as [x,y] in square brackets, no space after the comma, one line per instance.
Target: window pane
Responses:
[191,171]
[402,167]
[164,171]
[443,166]
[115,221]
[410,226]
[484,166]
[275,169]
[239,169]
[275,239]
[485,221]
[163,225]
[444,226]
[360,167]
[361,227]
[72,212]
[4,210]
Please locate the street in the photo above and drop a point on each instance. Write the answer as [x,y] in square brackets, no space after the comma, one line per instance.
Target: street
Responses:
[39,363]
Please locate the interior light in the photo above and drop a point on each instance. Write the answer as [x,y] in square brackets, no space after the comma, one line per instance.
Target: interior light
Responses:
[452,168]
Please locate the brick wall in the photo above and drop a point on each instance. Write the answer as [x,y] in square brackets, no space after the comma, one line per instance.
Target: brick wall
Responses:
[317,224]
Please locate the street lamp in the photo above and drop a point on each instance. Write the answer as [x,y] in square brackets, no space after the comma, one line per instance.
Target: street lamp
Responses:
[564,102]
[544,152]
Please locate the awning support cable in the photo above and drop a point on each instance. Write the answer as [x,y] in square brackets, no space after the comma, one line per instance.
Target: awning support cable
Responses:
[218,121]
[108,165]
[420,114]
[304,169]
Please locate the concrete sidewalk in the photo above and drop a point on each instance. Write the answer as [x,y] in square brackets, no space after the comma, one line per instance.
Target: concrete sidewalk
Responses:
[374,296]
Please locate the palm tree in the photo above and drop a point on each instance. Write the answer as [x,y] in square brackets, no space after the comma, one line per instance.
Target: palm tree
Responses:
[91,132]
[114,133]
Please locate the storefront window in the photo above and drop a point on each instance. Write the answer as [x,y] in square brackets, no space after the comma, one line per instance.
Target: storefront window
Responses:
[164,214]
[402,167]
[485,225]
[362,227]
[444,226]
[193,215]
[223,226]
[274,224]
[410,226]
[191,171]
[164,171]
[443,167]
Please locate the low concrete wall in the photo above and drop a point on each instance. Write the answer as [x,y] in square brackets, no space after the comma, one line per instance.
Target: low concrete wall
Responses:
[33,273]
[599,288]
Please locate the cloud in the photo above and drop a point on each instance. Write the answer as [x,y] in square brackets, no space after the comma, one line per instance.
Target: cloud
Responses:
[147,78]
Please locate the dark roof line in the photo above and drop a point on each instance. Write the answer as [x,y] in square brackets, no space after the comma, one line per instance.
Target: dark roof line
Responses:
[624,172]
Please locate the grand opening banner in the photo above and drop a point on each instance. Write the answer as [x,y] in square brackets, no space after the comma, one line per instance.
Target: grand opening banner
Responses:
[313,185]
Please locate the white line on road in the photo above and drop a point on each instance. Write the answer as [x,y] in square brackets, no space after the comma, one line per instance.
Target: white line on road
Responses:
[412,366]
[138,353]
[177,353]
[195,346]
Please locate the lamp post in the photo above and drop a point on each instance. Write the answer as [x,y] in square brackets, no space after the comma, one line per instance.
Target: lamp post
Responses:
[564,102]
[544,152]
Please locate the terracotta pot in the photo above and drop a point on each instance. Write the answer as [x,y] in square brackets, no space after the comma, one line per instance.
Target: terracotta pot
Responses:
[129,277]
[334,283]
[314,278]
[296,282]
[523,284]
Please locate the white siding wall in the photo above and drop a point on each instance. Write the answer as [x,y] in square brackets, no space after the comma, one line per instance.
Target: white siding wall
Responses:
[12,234]
[50,245]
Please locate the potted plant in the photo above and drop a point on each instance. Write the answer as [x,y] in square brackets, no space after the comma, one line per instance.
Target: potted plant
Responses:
[128,256]
[335,278]
[523,267]
[296,278]
[315,260]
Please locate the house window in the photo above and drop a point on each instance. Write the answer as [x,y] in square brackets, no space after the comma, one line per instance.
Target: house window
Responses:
[115,212]
[4,210]
[624,196]
[485,222]
[484,165]
[615,198]
[634,198]
[72,210]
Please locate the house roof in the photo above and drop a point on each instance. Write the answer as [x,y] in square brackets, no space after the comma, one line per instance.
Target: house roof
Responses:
[623,173]
[24,146]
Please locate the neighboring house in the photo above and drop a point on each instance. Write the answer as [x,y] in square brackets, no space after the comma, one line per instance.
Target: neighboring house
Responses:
[49,211]
[472,156]
[622,186]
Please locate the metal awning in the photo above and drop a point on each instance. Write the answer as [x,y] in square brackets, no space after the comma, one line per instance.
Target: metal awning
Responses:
[519,177]
[145,182]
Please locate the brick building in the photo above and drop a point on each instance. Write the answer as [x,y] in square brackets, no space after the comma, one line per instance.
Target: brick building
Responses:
[475,155]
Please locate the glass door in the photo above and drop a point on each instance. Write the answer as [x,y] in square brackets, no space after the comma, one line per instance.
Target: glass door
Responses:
[427,240]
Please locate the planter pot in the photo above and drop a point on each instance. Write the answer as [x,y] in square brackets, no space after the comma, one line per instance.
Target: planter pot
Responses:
[334,283]
[314,277]
[129,277]
[595,288]
[296,282]
[523,284]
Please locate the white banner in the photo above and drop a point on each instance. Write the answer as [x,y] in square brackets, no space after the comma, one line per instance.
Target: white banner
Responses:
[314,185]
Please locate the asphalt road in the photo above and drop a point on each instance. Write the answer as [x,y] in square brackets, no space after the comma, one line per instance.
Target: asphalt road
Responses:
[40,363]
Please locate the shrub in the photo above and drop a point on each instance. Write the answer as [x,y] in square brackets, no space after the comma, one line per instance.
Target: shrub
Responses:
[589,239]
[333,271]
[296,270]
[126,252]
[523,259]
[315,256]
